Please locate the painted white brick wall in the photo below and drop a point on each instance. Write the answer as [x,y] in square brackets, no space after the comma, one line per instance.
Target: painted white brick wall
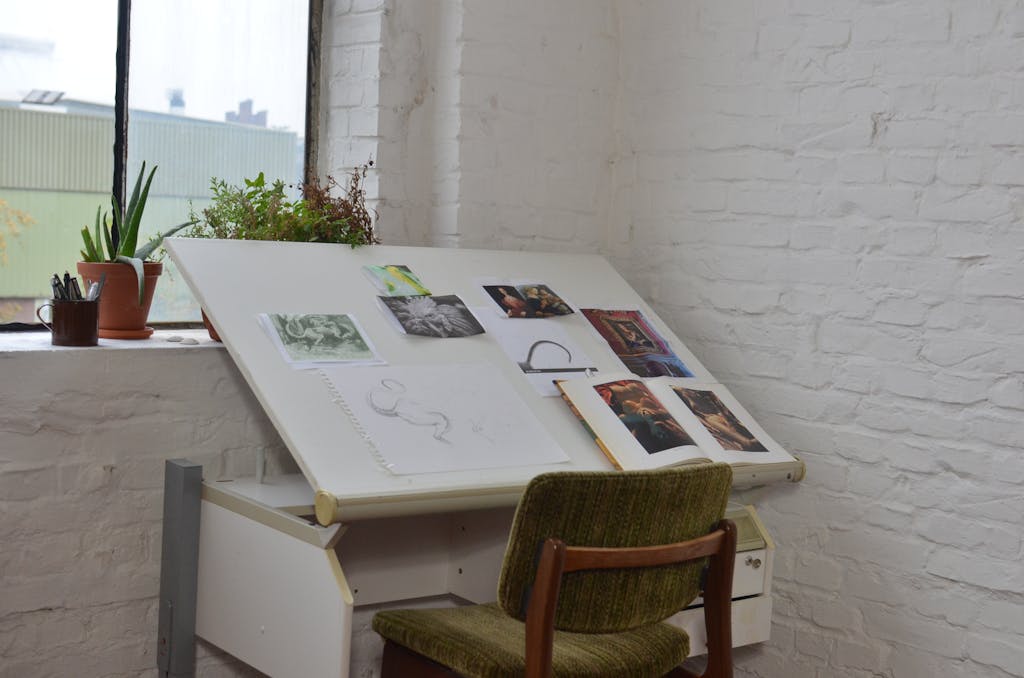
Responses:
[83,440]
[823,199]
[496,123]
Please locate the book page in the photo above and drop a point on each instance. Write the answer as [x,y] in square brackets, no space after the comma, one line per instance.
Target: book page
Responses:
[631,423]
[717,422]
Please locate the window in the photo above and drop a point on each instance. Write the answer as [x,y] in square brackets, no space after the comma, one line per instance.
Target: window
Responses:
[216,88]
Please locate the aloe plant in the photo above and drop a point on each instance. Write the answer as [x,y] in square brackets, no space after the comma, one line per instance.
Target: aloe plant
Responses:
[127,223]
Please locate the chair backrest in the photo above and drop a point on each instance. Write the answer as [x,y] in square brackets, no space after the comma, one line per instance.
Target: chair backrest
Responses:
[614,509]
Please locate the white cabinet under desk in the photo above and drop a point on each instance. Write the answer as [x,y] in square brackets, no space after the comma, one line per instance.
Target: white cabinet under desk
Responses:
[277,590]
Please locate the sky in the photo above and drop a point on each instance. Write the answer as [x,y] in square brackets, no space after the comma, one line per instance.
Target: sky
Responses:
[219,52]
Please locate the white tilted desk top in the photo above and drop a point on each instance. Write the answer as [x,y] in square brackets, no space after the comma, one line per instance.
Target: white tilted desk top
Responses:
[235,281]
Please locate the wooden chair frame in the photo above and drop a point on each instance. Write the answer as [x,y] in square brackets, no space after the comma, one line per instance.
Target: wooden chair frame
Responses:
[557,559]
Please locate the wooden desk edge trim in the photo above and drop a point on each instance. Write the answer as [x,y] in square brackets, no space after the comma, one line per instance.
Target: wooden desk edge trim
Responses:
[754,475]
[277,519]
[330,509]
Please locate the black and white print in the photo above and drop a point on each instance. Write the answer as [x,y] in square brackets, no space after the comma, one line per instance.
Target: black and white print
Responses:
[440,316]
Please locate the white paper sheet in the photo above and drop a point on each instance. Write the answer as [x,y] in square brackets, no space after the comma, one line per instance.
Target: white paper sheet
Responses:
[540,348]
[428,419]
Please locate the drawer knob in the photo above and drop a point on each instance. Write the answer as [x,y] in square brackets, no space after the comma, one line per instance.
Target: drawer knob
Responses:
[753,562]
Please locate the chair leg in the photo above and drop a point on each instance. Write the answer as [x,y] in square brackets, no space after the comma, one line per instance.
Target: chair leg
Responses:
[399,662]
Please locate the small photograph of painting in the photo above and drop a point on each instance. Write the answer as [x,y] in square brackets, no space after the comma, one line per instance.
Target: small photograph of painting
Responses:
[440,316]
[527,301]
[309,340]
[395,280]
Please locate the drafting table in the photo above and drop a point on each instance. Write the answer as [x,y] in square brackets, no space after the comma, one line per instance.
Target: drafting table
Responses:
[276,587]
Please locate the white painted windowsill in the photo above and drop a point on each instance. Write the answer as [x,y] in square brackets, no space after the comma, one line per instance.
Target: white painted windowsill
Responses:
[34,342]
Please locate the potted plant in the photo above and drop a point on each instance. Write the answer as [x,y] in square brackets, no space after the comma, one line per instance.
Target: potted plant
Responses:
[130,276]
[259,210]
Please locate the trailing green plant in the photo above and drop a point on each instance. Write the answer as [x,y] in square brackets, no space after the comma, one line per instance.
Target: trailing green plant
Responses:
[99,245]
[263,211]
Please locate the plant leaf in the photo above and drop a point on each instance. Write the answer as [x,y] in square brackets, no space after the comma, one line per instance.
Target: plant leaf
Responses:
[134,216]
[97,242]
[147,249]
[89,253]
[137,265]
[133,201]
[106,238]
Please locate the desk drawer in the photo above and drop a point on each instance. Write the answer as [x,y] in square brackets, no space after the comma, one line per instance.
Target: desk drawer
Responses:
[748,574]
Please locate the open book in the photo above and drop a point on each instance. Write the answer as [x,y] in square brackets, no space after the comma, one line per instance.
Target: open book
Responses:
[663,421]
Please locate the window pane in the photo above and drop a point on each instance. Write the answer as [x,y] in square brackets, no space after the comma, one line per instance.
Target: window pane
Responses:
[217,89]
[56,132]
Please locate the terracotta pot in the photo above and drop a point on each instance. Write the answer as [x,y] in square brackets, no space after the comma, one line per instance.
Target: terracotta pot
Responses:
[209,327]
[121,315]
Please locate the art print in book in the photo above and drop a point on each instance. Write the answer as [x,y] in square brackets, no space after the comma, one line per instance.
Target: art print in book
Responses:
[648,423]
[643,415]
[637,344]
[723,425]
[438,316]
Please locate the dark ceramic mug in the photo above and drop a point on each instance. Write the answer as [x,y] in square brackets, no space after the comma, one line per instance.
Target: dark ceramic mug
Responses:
[72,323]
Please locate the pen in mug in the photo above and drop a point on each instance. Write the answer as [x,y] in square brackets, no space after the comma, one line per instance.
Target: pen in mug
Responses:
[76,291]
[58,288]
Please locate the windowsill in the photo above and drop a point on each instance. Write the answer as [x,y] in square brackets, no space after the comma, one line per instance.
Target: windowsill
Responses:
[39,342]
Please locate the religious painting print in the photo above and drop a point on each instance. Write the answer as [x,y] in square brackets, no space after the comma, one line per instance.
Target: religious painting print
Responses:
[531,300]
[312,339]
[543,302]
[507,297]
[395,280]
[426,316]
[719,420]
[636,343]
[643,415]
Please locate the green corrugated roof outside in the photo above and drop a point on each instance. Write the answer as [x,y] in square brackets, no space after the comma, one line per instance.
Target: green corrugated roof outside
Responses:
[57,167]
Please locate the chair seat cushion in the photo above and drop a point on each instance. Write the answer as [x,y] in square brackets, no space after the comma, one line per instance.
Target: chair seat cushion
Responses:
[481,641]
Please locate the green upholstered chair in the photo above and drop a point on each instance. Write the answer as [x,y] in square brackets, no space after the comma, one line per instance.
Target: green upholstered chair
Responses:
[595,563]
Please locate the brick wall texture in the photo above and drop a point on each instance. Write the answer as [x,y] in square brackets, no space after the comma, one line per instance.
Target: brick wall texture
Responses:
[821,197]
[823,200]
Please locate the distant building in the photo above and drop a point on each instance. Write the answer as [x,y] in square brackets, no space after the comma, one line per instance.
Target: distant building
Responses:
[57,166]
[245,116]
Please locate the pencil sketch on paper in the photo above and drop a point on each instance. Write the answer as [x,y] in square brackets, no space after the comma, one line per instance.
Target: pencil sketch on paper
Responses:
[389,400]
[441,418]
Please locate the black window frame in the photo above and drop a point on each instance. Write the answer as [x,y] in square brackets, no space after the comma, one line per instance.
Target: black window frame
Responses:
[123,61]
[314,31]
